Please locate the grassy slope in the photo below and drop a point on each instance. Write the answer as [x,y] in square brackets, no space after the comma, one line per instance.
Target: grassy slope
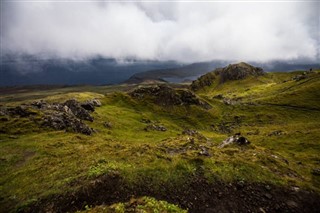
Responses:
[36,162]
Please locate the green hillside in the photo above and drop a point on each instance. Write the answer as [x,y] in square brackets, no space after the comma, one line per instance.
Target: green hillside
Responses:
[164,142]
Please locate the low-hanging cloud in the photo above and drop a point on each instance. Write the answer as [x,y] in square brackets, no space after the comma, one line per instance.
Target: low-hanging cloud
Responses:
[182,31]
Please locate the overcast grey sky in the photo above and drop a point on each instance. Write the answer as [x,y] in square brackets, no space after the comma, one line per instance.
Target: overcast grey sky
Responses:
[182,31]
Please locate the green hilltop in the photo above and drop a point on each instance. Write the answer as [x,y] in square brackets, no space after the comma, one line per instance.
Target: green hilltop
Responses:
[87,148]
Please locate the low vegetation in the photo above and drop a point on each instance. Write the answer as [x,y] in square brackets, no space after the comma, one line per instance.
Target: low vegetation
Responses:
[155,147]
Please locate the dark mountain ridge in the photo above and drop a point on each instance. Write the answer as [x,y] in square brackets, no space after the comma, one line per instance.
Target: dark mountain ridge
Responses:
[18,70]
[193,71]
[29,70]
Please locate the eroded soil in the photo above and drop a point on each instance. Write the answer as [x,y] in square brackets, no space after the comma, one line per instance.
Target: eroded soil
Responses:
[196,194]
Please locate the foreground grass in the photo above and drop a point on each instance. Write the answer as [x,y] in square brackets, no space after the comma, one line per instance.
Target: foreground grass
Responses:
[144,204]
[37,162]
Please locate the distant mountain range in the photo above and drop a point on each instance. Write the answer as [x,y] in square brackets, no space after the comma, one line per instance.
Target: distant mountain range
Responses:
[31,70]
[28,70]
[176,75]
[193,71]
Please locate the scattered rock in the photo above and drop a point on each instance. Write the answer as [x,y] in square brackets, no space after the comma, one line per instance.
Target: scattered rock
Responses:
[276,133]
[291,204]
[228,101]
[295,189]
[262,210]
[316,171]
[204,151]
[267,187]
[154,127]
[190,132]
[240,184]
[225,127]
[3,111]
[107,124]
[235,139]
[269,196]
[193,133]
[147,121]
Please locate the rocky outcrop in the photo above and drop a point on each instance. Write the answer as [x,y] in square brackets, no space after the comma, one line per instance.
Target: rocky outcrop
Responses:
[66,121]
[238,71]
[232,72]
[77,110]
[167,96]
[21,111]
[60,116]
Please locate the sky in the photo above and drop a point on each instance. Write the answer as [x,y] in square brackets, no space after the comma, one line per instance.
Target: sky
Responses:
[182,31]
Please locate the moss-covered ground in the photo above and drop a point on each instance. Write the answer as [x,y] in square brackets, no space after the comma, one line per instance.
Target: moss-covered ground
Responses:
[278,115]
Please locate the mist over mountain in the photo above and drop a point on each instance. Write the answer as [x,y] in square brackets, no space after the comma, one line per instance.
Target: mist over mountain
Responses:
[193,71]
[30,69]
[104,42]
[187,32]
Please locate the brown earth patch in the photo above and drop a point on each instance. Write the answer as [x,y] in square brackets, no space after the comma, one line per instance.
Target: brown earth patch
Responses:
[196,194]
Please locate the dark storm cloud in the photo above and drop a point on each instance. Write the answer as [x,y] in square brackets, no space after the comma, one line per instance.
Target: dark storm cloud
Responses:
[185,31]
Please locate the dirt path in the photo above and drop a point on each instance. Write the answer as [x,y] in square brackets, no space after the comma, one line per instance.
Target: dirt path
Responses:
[196,195]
